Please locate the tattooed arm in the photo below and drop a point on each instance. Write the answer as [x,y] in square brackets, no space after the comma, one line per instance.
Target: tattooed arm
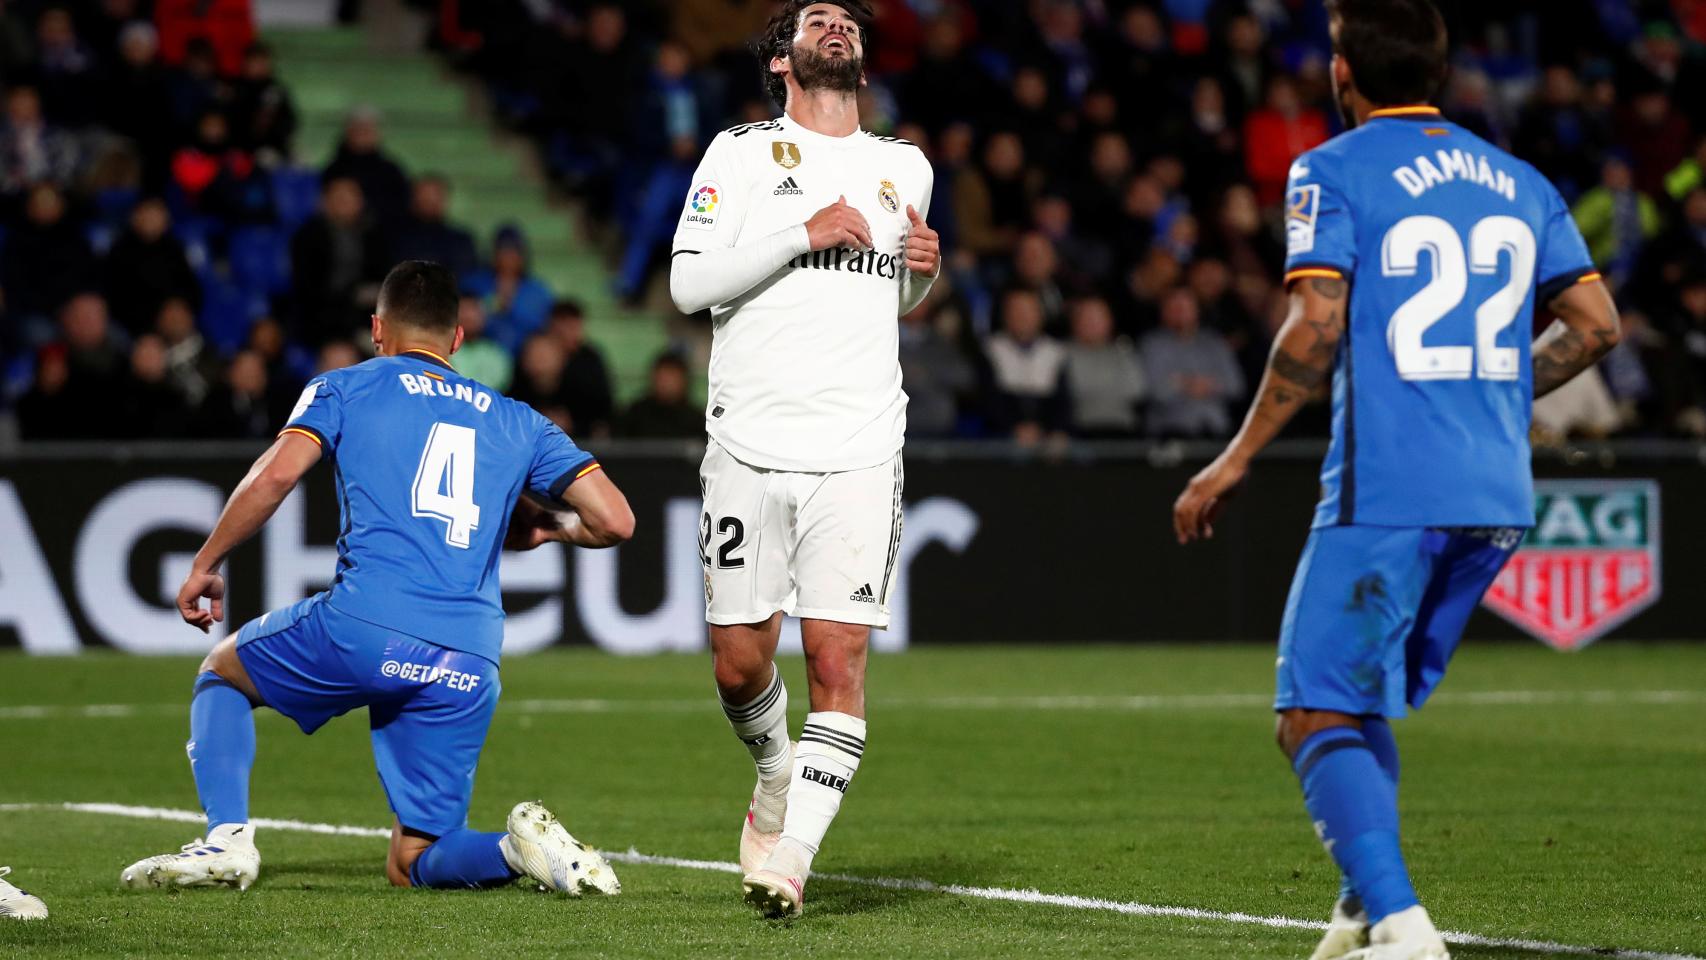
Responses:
[1300,363]
[1587,327]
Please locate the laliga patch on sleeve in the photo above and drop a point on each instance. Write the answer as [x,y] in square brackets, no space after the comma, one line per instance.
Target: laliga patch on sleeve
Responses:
[702,206]
[1301,205]
[307,399]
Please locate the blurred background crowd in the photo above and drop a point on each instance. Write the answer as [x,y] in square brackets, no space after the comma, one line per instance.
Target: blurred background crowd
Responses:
[1109,177]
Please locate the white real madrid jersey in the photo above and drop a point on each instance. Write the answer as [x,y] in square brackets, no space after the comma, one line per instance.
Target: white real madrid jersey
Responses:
[805,372]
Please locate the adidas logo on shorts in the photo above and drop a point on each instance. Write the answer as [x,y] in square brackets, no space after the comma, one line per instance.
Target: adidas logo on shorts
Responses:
[788,188]
[863,595]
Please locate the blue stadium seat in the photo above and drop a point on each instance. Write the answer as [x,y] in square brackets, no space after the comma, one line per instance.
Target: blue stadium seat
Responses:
[296,193]
[100,236]
[260,260]
[113,204]
[198,235]
[227,311]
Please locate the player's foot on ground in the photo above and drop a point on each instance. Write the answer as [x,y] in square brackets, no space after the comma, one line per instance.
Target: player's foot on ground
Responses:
[764,815]
[1405,935]
[775,895]
[1347,931]
[17,904]
[541,848]
[227,858]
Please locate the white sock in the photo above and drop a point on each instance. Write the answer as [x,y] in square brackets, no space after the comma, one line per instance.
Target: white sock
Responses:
[824,763]
[762,725]
[232,834]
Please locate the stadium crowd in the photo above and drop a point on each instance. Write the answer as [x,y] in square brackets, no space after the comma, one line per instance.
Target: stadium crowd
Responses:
[1109,184]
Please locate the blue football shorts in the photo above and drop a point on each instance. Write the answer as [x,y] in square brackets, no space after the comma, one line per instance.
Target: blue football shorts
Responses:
[429,707]
[1375,613]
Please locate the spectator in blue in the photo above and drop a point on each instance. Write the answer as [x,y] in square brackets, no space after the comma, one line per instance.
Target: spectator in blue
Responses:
[515,301]
[672,109]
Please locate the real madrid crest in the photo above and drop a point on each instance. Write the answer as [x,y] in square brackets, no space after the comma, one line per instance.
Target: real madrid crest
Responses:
[888,196]
[787,155]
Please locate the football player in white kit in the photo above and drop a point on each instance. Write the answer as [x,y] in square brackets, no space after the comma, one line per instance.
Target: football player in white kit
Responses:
[806,238]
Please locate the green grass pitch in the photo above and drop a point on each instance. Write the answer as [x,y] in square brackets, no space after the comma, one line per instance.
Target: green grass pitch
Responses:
[1546,797]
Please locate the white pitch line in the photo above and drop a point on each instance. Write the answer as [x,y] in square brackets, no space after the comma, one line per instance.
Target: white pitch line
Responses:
[1115,703]
[1004,894]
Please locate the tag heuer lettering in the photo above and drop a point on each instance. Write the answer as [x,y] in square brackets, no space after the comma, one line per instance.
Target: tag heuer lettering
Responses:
[1590,563]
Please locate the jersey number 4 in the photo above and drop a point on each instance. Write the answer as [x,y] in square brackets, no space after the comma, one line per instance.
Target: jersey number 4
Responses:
[444,483]
[1488,241]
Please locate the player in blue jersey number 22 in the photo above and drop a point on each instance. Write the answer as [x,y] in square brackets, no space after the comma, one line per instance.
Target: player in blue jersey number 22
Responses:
[431,467]
[1427,485]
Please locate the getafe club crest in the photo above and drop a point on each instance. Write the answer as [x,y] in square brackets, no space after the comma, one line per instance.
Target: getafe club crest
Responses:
[888,196]
[787,155]
[1590,563]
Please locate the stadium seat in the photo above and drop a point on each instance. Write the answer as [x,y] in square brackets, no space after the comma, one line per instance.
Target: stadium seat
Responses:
[198,235]
[260,260]
[113,204]
[296,193]
[227,311]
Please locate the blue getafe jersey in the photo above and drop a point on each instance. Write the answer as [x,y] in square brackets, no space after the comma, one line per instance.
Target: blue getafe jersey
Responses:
[429,465]
[1448,244]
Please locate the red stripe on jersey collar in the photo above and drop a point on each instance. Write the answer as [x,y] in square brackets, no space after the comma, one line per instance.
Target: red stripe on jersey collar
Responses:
[1416,111]
[428,355]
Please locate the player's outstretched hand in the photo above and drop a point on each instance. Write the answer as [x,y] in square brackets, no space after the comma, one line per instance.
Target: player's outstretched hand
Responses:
[839,225]
[1196,510]
[923,246]
[201,583]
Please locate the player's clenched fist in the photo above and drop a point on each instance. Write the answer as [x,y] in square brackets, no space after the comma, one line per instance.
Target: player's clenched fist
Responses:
[839,225]
[923,246]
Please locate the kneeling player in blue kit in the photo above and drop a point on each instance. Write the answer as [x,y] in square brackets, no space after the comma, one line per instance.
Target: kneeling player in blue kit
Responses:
[430,467]
[1416,255]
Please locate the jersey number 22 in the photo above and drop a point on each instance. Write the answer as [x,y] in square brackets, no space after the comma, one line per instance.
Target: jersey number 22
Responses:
[1400,257]
[444,483]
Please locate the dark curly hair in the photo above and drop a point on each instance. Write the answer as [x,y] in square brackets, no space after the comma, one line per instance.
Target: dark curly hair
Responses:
[1396,48]
[778,39]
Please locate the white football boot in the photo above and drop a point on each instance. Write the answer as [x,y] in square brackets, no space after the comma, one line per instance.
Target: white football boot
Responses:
[776,895]
[538,846]
[16,904]
[227,858]
[763,824]
[1347,931]
[1405,935]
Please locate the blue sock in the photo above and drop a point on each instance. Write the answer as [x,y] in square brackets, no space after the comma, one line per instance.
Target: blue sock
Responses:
[221,749]
[1355,809]
[1378,733]
[463,859]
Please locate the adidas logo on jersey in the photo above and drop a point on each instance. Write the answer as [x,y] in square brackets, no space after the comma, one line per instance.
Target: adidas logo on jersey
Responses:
[863,595]
[788,188]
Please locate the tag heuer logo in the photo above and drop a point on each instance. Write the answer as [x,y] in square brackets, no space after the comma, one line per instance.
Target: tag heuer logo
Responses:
[1590,563]
[787,155]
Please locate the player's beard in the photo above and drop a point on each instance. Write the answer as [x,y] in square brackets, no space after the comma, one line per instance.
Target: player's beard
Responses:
[814,71]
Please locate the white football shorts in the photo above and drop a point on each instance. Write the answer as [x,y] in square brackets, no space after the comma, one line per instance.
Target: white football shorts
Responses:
[821,546]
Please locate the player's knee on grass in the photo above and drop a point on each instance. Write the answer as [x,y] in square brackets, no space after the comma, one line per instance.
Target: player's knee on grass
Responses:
[1292,727]
[406,847]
